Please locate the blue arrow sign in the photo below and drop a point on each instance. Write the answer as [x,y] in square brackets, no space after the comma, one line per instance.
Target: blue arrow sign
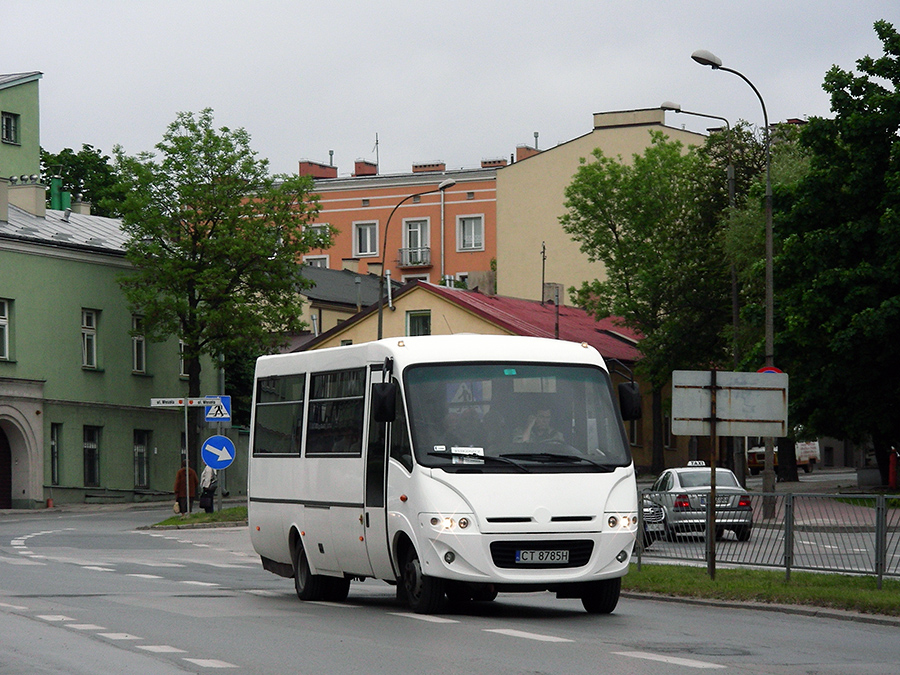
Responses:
[218,452]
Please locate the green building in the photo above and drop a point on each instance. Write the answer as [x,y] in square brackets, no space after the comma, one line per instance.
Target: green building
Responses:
[20,127]
[76,374]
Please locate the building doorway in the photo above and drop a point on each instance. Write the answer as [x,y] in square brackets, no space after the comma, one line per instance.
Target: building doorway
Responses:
[5,471]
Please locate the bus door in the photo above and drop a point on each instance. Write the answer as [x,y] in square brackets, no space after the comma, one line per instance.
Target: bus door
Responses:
[377,543]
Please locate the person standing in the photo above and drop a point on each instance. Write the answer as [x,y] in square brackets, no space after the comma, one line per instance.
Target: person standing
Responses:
[208,485]
[185,487]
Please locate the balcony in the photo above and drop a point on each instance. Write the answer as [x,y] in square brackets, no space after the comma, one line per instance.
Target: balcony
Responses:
[415,257]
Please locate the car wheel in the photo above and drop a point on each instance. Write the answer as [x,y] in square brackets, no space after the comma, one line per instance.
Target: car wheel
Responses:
[424,594]
[601,597]
[309,586]
[742,533]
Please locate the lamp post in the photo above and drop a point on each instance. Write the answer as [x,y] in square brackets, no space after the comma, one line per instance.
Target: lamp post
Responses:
[736,446]
[449,182]
[705,58]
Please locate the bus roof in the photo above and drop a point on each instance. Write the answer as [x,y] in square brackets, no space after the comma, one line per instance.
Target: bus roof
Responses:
[433,349]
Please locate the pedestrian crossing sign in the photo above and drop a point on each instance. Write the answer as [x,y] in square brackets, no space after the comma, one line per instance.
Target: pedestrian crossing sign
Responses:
[218,409]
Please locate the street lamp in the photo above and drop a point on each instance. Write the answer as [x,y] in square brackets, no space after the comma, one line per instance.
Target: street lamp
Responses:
[705,58]
[449,182]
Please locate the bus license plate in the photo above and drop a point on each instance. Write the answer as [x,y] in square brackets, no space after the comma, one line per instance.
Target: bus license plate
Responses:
[537,557]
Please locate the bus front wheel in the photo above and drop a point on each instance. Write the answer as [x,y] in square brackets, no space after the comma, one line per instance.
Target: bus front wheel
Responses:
[601,597]
[424,594]
[309,586]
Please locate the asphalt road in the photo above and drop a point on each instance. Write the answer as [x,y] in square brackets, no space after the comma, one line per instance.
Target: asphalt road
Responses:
[87,592]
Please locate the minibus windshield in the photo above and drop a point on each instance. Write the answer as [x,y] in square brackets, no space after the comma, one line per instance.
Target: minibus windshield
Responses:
[514,417]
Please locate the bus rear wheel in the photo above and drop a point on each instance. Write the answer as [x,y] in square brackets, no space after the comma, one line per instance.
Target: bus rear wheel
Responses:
[601,597]
[309,586]
[424,594]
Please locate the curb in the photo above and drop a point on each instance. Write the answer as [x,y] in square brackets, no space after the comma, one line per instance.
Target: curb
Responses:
[196,526]
[798,610]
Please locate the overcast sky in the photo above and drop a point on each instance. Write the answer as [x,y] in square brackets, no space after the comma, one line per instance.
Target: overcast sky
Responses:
[457,81]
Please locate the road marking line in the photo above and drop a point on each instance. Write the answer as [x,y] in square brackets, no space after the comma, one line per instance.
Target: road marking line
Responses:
[96,568]
[262,592]
[675,661]
[85,626]
[528,636]
[55,617]
[326,603]
[145,576]
[424,617]
[161,649]
[200,583]
[120,636]
[3,604]
[211,663]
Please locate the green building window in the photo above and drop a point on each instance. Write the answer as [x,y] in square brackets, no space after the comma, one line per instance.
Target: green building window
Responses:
[10,127]
[91,456]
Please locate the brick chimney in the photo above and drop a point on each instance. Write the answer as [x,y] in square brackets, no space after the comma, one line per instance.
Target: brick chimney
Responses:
[317,170]
[525,151]
[29,196]
[364,167]
[4,200]
[493,163]
[422,167]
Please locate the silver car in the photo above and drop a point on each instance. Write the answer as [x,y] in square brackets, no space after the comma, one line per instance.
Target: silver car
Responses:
[683,494]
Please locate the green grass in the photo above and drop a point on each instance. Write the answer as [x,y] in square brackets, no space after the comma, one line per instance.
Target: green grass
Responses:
[835,591]
[229,515]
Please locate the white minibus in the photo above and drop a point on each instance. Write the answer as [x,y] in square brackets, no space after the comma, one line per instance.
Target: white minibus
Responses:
[454,466]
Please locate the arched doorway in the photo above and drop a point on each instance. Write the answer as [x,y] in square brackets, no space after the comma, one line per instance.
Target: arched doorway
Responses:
[5,471]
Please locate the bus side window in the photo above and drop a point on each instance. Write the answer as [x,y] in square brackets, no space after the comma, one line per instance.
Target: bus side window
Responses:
[401,449]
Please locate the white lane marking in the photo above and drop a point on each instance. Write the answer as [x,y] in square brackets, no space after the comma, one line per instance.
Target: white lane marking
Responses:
[200,583]
[262,592]
[22,561]
[145,576]
[674,660]
[55,617]
[326,603]
[85,626]
[211,663]
[161,649]
[17,542]
[528,636]
[120,636]
[424,617]
[3,604]
[96,568]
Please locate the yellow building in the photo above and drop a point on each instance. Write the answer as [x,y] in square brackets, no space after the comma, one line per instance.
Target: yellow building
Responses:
[531,197]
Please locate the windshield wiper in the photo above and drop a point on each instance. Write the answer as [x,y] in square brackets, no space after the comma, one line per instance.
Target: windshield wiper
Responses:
[487,458]
[557,458]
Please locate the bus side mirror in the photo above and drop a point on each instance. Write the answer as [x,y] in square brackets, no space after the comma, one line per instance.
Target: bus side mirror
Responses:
[630,400]
[384,401]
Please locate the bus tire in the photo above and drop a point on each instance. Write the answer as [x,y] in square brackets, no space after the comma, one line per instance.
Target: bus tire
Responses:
[424,594]
[309,586]
[601,597]
[336,589]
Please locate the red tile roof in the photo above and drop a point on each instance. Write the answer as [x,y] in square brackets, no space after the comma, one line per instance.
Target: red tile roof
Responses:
[531,318]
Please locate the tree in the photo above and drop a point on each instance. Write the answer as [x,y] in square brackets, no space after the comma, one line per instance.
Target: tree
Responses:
[838,270]
[215,242]
[666,276]
[87,173]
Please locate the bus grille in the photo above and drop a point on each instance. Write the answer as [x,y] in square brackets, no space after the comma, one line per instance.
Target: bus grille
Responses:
[503,553]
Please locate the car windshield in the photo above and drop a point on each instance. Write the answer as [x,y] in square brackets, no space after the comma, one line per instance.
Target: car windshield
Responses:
[514,417]
[700,478]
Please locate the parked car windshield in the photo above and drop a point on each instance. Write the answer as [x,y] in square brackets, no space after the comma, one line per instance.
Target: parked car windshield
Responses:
[701,478]
[514,417]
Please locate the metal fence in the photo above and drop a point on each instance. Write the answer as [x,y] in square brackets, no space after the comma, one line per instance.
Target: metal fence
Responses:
[857,534]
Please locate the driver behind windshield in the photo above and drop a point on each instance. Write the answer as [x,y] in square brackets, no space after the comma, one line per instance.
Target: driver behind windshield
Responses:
[539,429]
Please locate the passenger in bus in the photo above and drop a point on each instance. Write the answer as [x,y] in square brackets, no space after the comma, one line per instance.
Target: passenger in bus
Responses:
[539,429]
[463,428]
